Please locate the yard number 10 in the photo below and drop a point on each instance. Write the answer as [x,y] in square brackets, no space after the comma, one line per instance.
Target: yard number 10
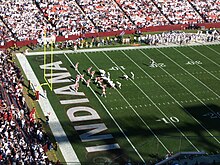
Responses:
[166,121]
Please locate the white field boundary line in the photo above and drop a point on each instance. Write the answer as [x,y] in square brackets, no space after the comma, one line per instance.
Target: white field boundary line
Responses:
[197,64]
[55,126]
[212,49]
[118,48]
[173,97]
[113,119]
[133,110]
[185,86]
[154,104]
[204,56]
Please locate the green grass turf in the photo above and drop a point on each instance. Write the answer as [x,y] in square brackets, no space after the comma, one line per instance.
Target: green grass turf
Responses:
[186,96]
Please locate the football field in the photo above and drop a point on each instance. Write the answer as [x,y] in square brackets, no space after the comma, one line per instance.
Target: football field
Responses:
[171,107]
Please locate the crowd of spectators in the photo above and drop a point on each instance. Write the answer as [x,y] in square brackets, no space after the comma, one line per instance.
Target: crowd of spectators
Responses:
[26,20]
[23,18]
[179,11]
[22,140]
[143,12]
[66,17]
[5,34]
[106,15]
[209,9]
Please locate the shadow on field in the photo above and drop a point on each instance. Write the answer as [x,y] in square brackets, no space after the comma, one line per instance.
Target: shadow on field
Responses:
[208,115]
[208,118]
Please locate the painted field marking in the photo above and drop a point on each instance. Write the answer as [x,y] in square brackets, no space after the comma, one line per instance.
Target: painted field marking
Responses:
[103,105]
[205,56]
[137,113]
[154,102]
[185,86]
[172,118]
[212,49]
[197,65]
[175,99]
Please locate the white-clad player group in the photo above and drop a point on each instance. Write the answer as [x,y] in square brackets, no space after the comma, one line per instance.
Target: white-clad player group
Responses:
[101,78]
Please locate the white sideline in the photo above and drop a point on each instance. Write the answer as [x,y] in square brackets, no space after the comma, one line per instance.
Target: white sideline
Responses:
[121,48]
[56,128]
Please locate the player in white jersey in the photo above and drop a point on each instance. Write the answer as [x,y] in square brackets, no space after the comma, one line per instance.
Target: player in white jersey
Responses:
[103,91]
[125,76]
[153,64]
[132,75]
[118,84]
[76,66]
[88,82]
[92,74]
[89,70]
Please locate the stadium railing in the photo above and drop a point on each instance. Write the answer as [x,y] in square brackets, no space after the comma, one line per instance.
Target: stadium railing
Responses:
[178,155]
[113,33]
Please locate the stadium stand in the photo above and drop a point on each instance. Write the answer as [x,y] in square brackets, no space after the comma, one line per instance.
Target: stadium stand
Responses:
[22,139]
[27,20]
[179,12]
[106,15]
[4,34]
[143,13]
[66,17]
[23,19]
[210,10]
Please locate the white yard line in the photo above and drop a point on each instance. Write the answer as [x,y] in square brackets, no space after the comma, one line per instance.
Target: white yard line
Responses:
[186,87]
[178,101]
[106,109]
[156,105]
[212,49]
[197,65]
[134,111]
[54,123]
[205,56]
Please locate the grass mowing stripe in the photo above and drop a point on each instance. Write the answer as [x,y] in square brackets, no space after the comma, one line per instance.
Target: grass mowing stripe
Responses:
[197,64]
[156,105]
[173,98]
[186,87]
[213,50]
[153,103]
[108,112]
[134,111]
[188,73]
[204,56]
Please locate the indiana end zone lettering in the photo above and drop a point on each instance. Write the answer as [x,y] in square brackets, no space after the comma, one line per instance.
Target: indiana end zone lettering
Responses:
[94,130]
